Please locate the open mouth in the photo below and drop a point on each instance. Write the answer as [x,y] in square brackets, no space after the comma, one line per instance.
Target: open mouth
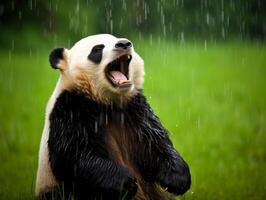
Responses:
[117,72]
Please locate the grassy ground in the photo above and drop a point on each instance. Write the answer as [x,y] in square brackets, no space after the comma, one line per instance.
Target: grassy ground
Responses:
[212,100]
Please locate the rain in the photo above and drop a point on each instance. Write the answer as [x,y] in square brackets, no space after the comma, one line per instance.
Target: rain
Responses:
[204,79]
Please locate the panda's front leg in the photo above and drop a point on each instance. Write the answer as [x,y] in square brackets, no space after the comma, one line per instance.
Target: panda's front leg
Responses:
[91,176]
[173,172]
[158,161]
[113,181]
[86,170]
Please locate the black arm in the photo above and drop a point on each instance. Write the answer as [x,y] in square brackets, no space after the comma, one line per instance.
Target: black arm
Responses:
[77,151]
[157,158]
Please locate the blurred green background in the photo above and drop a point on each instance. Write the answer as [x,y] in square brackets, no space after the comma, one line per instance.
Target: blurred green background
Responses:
[205,77]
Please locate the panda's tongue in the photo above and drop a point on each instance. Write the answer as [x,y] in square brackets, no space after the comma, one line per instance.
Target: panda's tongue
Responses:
[118,77]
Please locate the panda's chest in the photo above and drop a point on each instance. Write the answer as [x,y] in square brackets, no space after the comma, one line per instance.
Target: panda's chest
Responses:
[120,141]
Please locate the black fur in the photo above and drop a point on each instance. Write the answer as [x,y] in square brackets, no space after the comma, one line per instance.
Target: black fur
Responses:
[156,157]
[55,56]
[124,44]
[80,159]
[96,53]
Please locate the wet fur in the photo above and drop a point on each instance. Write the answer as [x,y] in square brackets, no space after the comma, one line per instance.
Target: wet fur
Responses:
[122,144]
[99,151]
[100,142]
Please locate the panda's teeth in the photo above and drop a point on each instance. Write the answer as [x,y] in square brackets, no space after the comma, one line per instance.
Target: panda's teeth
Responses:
[128,59]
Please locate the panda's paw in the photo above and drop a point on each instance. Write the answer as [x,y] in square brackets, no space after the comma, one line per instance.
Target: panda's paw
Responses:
[175,183]
[129,188]
[175,180]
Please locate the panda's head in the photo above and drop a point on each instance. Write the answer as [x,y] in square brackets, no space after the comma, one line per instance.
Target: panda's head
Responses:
[103,66]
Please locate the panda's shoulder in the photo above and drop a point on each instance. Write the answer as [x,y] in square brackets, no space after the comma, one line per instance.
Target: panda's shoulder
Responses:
[73,101]
[68,97]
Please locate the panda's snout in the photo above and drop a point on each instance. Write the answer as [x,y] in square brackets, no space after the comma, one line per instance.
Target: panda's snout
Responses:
[123,44]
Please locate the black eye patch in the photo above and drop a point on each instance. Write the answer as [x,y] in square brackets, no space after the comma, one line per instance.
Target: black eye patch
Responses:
[96,53]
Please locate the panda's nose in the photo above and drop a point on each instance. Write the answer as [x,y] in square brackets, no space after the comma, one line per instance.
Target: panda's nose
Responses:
[123,44]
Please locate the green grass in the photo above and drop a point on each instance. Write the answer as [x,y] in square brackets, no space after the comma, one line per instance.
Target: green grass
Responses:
[213,101]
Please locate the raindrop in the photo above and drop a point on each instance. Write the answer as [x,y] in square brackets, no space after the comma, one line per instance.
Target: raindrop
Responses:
[163,21]
[205,45]
[182,37]
[198,123]
[9,56]
[77,7]
[145,12]
[222,4]
[223,32]
[151,40]
[206,3]
[56,6]
[19,15]
[122,118]
[11,77]
[124,5]
[228,20]
[158,6]
[140,36]
[12,5]
[96,126]
[137,3]
[30,4]
[111,22]
[207,18]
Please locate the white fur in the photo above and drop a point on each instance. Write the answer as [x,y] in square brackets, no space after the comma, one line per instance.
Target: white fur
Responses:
[45,179]
[81,73]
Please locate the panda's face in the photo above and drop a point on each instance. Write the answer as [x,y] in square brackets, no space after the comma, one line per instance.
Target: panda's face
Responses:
[105,66]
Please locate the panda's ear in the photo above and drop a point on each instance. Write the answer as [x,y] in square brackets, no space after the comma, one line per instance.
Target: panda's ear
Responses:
[58,58]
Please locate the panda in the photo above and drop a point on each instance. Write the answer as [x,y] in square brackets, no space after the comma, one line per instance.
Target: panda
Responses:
[101,139]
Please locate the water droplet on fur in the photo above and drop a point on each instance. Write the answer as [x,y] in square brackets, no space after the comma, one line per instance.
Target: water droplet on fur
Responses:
[9,56]
[96,127]
[122,118]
